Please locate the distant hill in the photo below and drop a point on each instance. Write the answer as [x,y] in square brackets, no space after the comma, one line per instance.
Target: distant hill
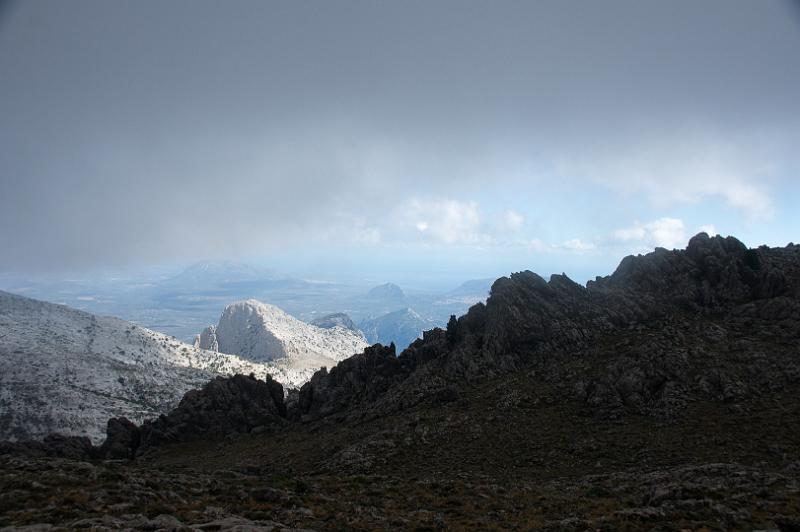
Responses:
[211,273]
[388,291]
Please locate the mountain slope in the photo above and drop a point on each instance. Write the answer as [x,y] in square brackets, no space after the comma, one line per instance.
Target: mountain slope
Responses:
[68,371]
[264,333]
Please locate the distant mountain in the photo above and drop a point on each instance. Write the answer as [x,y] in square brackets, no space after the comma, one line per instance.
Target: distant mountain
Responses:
[211,273]
[337,319]
[263,333]
[401,327]
[68,371]
[388,291]
[473,287]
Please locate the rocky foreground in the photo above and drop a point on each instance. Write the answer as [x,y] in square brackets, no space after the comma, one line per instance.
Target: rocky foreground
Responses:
[663,397]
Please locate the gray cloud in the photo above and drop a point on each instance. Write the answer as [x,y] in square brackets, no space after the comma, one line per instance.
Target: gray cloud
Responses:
[144,131]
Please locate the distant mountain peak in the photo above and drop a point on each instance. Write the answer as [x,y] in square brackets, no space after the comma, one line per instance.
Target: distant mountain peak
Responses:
[219,272]
[386,291]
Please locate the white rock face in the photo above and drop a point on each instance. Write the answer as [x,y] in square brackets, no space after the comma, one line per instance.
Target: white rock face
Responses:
[207,339]
[68,371]
[264,333]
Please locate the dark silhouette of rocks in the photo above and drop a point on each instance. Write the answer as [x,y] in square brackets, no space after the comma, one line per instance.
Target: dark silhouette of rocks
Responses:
[690,299]
[237,404]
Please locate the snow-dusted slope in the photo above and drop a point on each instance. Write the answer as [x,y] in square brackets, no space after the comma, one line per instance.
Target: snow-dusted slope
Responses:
[68,371]
[264,333]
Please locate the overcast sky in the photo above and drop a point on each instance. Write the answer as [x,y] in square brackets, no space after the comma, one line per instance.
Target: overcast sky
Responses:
[449,138]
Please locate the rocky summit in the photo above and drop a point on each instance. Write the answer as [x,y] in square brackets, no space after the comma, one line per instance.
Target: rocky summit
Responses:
[263,333]
[665,396]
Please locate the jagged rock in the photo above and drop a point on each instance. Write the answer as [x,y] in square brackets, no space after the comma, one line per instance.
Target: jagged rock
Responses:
[122,439]
[224,406]
[360,377]
[207,339]
[559,327]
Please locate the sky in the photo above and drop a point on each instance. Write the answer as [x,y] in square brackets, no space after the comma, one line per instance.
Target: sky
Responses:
[416,140]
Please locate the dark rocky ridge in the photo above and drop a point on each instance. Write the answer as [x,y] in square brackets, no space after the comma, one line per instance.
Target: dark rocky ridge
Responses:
[669,314]
[664,396]
[686,299]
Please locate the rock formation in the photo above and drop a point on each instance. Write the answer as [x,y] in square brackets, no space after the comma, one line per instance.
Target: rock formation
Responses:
[264,333]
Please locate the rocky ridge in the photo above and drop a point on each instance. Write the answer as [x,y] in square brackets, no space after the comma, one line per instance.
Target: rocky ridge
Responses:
[678,322]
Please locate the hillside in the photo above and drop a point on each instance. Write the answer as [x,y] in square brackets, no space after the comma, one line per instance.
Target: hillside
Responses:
[68,371]
[665,396]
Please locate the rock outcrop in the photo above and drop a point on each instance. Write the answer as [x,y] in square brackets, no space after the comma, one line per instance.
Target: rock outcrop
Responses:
[224,406]
[264,333]
[337,319]
[207,339]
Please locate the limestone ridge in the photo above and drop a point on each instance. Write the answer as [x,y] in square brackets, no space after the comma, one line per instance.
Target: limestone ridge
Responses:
[207,339]
[261,332]
[264,333]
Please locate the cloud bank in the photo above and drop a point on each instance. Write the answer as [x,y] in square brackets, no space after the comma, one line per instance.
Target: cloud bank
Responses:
[137,133]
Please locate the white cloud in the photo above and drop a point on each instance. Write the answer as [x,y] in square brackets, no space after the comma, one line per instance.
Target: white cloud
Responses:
[665,232]
[537,245]
[447,221]
[578,245]
[697,166]
[637,232]
[513,220]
